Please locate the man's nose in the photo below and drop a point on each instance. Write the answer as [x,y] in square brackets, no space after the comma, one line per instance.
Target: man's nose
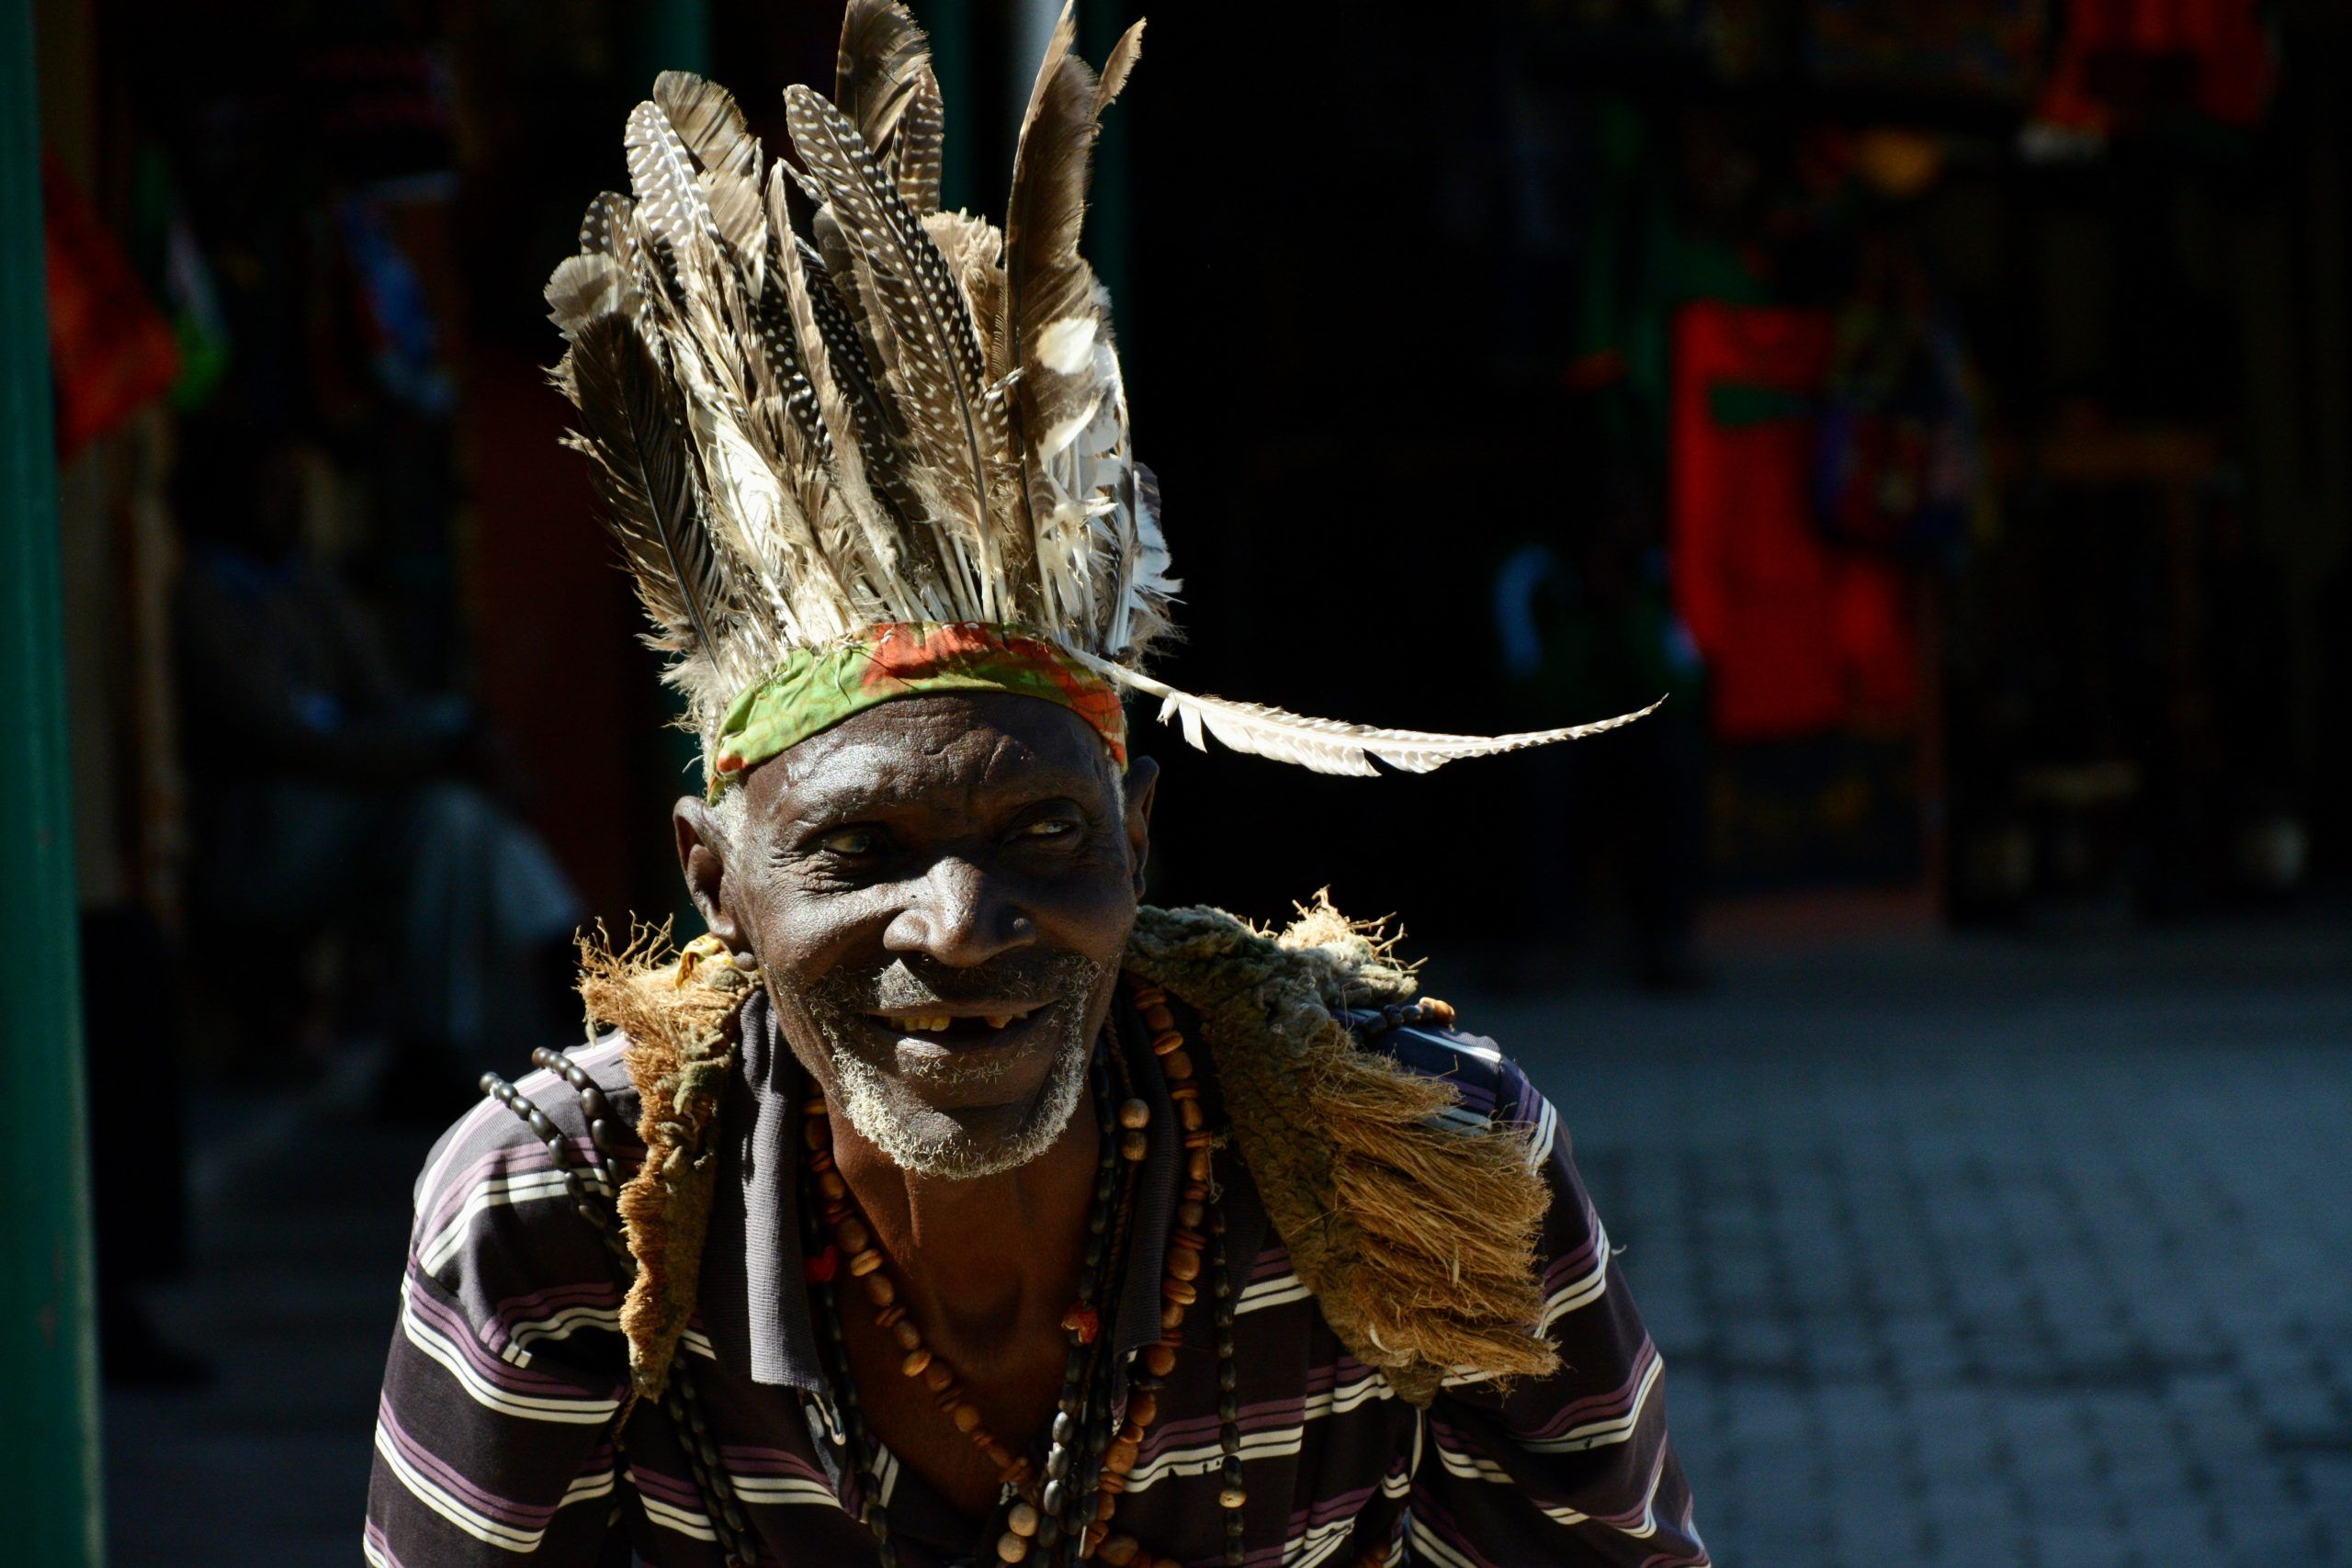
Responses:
[960,916]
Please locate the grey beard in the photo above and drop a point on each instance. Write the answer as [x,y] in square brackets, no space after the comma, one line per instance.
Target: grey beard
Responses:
[929,1142]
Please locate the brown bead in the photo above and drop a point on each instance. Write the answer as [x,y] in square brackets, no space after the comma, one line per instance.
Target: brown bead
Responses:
[1106,1504]
[1157,1018]
[967,1415]
[1022,1518]
[937,1377]
[1181,1092]
[1187,1238]
[1018,1473]
[820,1160]
[1232,1497]
[865,1262]
[1197,1193]
[1179,1290]
[831,1184]
[917,1359]
[813,1106]
[1119,1551]
[1191,1214]
[1441,1013]
[1133,1146]
[1147,996]
[1093,1540]
[1134,1113]
[1143,1409]
[1011,1548]
[1189,1112]
[1196,1165]
[880,1291]
[817,1134]
[1167,1040]
[907,1336]
[998,1455]
[837,1211]
[1113,1483]
[1121,1455]
[1176,1067]
[853,1236]
[1183,1264]
[1160,1360]
[890,1315]
[1132,1432]
[1201,1139]
[1171,1317]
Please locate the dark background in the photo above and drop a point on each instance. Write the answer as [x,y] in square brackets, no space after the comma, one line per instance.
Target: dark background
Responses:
[1995,565]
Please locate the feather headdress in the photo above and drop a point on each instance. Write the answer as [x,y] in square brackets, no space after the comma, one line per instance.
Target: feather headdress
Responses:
[825,413]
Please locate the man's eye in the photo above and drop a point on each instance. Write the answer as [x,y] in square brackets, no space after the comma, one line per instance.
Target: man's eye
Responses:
[850,841]
[1048,828]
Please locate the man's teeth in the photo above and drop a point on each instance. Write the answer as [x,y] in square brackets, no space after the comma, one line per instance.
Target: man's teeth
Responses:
[935,1023]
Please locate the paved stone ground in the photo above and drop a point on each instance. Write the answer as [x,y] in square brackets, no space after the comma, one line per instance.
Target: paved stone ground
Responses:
[1961,1253]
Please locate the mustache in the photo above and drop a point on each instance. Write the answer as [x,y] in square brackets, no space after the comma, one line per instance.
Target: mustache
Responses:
[914,984]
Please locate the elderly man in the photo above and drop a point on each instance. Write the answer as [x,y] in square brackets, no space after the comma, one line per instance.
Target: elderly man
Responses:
[942,1204]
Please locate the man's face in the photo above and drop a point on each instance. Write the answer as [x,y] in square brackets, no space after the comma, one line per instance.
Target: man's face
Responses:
[938,890]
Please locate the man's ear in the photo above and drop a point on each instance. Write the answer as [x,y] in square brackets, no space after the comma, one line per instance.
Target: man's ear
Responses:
[702,856]
[1143,783]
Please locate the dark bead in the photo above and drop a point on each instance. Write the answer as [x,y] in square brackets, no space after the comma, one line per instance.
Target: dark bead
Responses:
[1227,1375]
[1055,1498]
[1058,1465]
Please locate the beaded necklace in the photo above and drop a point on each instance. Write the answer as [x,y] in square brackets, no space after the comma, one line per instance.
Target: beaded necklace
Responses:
[1066,1515]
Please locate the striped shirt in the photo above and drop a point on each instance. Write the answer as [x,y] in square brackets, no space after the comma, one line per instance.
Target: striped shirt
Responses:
[496,1435]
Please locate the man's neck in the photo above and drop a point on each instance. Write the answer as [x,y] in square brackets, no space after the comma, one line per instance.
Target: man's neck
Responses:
[986,1263]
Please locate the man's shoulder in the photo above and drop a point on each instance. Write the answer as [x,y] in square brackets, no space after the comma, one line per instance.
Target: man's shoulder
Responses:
[1425,1041]
[522,1162]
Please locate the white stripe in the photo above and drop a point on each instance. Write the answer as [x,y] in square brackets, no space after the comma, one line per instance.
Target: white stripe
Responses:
[1277,1292]
[367,1549]
[559,1325]
[779,1490]
[1427,1548]
[1484,1052]
[1317,1542]
[1277,1443]
[1579,1292]
[497,1192]
[886,1469]
[431,1493]
[1547,1131]
[1601,1434]
[582,1411]
[695,1523]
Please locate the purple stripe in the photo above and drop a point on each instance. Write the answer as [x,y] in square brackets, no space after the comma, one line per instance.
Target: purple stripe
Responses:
[505,1373]
[769,1461]
[505,1510]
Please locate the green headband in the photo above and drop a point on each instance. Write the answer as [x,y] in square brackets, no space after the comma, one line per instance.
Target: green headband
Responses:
[818,687]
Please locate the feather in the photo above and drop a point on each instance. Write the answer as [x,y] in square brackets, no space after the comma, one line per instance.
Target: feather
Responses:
[884,63]
[1326,745]
[633,425]
[918,152]
[711,126]
[920,323]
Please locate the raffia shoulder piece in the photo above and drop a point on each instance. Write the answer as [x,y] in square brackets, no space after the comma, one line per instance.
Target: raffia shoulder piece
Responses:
[1418,1238]
[680,1013]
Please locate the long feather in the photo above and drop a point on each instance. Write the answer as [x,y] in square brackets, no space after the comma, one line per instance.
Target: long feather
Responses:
[631,422]
[918,150]
[931,352]
[1329,746]
[883,62]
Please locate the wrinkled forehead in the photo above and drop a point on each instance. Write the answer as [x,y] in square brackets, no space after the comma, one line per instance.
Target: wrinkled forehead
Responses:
[943,753]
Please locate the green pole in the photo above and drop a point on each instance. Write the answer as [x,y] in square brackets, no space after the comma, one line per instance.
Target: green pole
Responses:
[49,1443]
[949,22]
